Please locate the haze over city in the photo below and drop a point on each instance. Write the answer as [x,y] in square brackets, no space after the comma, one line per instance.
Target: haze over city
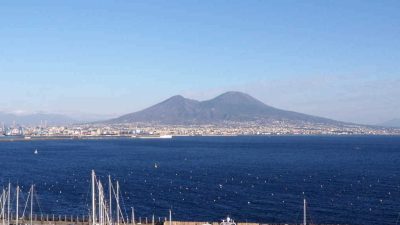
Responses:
[335,59]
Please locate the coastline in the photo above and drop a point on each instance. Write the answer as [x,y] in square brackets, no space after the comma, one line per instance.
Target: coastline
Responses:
[55,138]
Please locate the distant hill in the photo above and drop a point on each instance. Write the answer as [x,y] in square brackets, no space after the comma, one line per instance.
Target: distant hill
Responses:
[35,119]
[228,107]
[391,123]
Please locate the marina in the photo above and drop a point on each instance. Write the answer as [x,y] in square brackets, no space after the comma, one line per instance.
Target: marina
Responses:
[102,211]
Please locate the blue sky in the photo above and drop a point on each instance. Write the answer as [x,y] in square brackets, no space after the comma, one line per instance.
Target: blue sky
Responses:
[338,59]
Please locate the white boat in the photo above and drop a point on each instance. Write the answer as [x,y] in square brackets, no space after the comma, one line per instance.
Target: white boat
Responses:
[228,221]
[36,152]
[165,136]
[153,136]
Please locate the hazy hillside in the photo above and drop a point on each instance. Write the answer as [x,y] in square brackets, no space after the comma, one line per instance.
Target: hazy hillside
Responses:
[391,123]
[35,119]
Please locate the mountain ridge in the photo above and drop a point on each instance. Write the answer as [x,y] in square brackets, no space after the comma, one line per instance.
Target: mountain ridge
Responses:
[230,106]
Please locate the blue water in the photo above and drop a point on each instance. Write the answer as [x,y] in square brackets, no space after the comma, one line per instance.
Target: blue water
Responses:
[262,179]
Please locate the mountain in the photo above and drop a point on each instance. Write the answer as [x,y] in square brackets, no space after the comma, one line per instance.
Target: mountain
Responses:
[35,119]
[228,107]
[391,123]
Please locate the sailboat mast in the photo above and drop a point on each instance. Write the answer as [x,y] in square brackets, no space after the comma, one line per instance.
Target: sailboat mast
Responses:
[117,203]
[99,201]
[8,203]
[103,206]
[170,217]
[110,196]
[133,216]
[305,212]
[31,203]
[93,198]
[17,206]
[3,201]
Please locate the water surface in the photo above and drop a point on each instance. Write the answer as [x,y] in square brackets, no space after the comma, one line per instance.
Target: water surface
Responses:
[263,179]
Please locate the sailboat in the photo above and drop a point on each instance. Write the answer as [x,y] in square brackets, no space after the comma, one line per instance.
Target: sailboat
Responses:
[35,152]
[102,211]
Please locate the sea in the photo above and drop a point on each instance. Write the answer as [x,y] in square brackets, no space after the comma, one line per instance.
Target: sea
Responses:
[344,179]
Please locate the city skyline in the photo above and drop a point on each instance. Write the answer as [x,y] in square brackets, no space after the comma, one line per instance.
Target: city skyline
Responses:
[332,59]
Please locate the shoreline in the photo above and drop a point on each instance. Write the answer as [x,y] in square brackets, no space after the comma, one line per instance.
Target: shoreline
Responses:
[55,138]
